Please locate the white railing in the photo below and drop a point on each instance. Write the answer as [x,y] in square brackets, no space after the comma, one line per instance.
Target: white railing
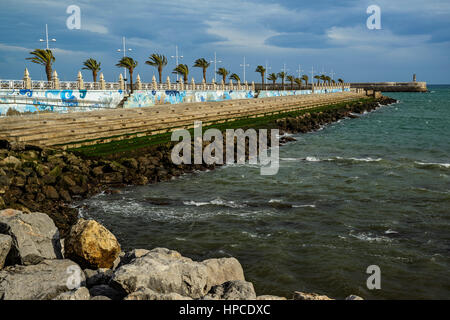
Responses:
[42,85]
[75,85]
[11,84]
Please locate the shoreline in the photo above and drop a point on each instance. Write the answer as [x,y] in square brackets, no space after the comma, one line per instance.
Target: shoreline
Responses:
[61,176]
[48,180]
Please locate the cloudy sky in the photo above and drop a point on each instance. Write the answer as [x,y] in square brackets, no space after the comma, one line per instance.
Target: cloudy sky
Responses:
[323,34]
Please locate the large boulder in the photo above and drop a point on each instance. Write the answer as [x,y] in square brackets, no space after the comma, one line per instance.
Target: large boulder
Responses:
[148,294]
[268,297]
[79,294]
[309,296]
[232,290]
[34,237]
[43,281]
[91,245]
[106,291]
[165,271]
[5,246]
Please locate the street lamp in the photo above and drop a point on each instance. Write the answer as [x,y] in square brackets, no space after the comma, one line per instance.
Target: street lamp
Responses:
[245,66]
[215,61]
[124,50]
[47,40]
[176,57]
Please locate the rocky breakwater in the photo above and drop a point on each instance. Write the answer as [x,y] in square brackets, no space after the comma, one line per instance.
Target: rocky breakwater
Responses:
[90,265]
[34,179]
[48,180]
[314,121]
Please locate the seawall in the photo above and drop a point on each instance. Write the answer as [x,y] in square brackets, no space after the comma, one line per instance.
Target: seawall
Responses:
[101,126]
[392,86]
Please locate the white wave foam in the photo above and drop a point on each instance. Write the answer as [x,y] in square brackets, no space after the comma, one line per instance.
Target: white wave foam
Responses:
[370,237]
[275,201]
[215,202]
[312,159]
[304,206]
[443,165]
[368,159]
[390,232]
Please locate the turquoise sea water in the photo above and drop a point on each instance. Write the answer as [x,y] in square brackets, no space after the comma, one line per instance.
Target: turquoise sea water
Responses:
[361,192]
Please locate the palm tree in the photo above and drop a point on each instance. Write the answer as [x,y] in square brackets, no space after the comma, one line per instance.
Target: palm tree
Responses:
[224,73]
[291,79]
[273,77]
[235,77]
[130,64]
[45,58]
[323,78]
[202,63]
[333,82]
[158,61]
[282,76]
[317,77]
[262,71]
[183,70]
[94,66]
[340,80]
[305,78]
[328,79]
[299,82]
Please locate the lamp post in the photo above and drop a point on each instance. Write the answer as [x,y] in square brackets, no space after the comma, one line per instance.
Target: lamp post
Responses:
[332,74]
[312,75]
[47,40]
[244,66]
[176,57]
[300,71]
[124,50]
[215,61]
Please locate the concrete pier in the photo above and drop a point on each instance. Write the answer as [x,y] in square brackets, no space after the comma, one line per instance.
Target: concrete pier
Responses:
[95,127]
[392,86]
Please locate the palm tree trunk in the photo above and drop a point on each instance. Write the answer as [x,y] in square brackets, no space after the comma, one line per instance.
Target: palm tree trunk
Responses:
[131,79]
[262,81]
[204,74]
[160,74]
[48,71]
[94,75]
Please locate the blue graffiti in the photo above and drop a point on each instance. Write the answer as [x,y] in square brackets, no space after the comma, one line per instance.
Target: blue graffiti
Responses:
[26,92]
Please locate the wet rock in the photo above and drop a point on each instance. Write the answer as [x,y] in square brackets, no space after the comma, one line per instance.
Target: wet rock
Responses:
[131,255]
[80,294]
[309,296]
[148,294]
[353,297]
[232,290]
[166,271]
[106,291]
[97,277]
[65,195]
[267,297]
[11,162]
[92,245]
[34,237]
[43,281]
[100,298]
[51,193]
[5,246]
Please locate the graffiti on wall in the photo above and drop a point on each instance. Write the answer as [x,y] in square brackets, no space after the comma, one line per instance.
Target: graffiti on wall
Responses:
[148,98]
[62,101]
